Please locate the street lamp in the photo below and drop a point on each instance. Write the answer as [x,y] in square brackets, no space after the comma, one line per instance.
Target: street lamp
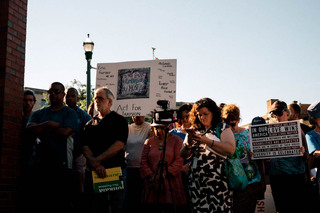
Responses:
[88,48]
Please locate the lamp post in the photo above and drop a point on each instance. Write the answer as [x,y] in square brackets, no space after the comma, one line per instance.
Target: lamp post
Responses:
[88,48]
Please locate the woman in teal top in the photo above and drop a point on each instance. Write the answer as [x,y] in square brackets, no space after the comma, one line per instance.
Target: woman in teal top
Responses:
[287,174]
[245,200]
[313,137]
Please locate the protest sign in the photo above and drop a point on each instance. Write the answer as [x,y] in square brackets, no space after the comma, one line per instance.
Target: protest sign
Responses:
[138,85]
[275,140]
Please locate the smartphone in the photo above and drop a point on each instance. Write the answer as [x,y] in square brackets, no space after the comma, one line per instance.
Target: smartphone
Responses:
[191,131]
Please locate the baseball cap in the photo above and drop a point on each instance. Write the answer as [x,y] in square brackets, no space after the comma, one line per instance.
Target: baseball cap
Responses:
[278,106]
[258,120]
[314,110]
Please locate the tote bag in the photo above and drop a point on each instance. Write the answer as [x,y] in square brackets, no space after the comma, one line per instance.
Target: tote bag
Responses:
[236,175]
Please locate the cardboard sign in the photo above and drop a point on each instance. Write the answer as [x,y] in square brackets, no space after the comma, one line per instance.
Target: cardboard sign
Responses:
[275,140]
[138,85]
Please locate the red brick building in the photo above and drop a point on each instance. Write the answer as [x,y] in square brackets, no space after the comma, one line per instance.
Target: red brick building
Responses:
[13,20]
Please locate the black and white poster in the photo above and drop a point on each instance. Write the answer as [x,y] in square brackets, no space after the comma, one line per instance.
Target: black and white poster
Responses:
[275,140]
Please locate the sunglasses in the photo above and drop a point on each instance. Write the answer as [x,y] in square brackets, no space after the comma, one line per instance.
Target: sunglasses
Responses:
[276,113]
[232,124]
[202,102]
[55,91]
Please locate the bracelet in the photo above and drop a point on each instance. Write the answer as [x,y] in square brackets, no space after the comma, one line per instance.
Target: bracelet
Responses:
[212,144]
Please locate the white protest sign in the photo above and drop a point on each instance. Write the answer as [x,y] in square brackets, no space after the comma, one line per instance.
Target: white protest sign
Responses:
[138,85]
[275,140]
[266,205]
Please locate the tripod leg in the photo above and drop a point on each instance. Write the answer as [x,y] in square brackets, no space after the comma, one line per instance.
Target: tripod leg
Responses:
[152,184]
[170,186]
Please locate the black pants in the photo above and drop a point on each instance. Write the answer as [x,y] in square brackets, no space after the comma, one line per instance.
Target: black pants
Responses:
[134,190]
[288,192]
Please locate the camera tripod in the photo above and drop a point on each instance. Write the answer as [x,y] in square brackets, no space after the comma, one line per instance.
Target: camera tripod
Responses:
[162,164]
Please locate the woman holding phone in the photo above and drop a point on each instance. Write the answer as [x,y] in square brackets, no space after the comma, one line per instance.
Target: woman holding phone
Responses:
[209,141]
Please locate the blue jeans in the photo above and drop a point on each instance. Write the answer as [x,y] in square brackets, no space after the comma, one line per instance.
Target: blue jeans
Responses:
[114,201]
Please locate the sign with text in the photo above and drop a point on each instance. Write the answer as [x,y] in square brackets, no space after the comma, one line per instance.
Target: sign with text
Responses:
[275,140]
[138,85]
[112,181]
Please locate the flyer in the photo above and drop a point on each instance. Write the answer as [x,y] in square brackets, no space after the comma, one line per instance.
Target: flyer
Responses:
[111,182]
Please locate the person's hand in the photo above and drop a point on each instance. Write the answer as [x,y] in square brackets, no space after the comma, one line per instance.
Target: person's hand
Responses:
[94,163]
[316,154]
[302,149]
[185,168]
[202,139]
[191,137]
[101,172]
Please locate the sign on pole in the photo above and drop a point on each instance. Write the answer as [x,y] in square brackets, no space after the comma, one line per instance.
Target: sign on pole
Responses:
[276,140]
[138,85]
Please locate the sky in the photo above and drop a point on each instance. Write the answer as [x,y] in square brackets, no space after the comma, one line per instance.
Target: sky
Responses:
[236,52]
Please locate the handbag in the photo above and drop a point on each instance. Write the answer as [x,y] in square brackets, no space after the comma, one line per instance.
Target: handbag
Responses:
[236,175]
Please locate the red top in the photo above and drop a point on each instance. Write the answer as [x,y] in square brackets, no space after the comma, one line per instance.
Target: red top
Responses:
[151,155]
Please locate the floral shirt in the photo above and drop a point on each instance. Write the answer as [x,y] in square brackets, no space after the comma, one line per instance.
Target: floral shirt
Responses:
[243,151]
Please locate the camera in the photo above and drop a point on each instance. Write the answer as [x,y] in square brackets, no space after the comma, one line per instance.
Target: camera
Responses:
[166,116]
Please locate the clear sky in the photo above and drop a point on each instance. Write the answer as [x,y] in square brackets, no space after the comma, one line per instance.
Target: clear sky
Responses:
[242,52]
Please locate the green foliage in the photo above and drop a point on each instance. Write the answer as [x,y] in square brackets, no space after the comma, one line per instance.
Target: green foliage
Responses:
[46,98]
[130,121]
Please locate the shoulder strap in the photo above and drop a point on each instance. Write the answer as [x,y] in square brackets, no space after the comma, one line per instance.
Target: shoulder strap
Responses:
[218,129]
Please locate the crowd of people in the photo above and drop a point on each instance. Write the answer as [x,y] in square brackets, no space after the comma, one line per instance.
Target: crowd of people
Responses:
[164,168]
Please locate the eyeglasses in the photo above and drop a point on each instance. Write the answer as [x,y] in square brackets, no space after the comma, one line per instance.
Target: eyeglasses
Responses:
[55,91]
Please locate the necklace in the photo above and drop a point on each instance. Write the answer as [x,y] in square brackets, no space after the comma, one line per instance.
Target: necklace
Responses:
[161,142]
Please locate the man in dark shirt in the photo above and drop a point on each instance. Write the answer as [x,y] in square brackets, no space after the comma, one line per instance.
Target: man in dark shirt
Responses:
[295,115]
[104,139]
[52,160]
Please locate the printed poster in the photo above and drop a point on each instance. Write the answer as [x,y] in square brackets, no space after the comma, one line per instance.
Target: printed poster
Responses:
[276,140]
[138,85]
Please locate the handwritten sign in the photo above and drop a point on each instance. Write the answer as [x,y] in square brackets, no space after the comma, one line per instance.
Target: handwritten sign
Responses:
[138,85]
[276,140]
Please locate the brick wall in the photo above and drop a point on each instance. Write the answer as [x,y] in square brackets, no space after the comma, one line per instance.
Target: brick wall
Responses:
[13,17]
